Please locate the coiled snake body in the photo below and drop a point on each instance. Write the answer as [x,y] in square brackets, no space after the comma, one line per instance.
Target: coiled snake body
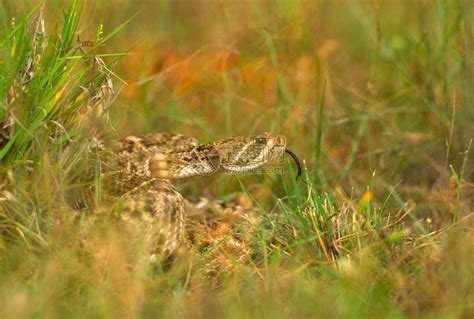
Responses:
[137,173]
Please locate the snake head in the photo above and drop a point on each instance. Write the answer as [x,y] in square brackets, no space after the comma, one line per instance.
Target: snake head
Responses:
[234,155]
[242,154]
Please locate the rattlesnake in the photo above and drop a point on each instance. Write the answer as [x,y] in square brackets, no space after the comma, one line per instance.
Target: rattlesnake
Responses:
[137,173]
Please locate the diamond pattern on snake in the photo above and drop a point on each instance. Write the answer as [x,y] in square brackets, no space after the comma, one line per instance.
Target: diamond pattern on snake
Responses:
[137,174]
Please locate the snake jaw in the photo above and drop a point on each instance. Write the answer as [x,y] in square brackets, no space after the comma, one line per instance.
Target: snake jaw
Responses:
[297,161]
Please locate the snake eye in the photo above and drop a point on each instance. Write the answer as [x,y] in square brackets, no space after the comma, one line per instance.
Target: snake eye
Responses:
[260,140]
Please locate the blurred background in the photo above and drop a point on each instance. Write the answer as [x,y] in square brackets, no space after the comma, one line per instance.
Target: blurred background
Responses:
[376,97]
[368,93]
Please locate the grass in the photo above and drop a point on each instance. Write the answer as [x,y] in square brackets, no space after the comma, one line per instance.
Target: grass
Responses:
[376,97]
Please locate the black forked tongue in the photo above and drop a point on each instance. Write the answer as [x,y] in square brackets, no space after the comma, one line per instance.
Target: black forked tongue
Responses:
[297,161]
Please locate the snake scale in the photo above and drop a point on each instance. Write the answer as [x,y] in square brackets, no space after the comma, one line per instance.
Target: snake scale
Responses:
[138,173]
